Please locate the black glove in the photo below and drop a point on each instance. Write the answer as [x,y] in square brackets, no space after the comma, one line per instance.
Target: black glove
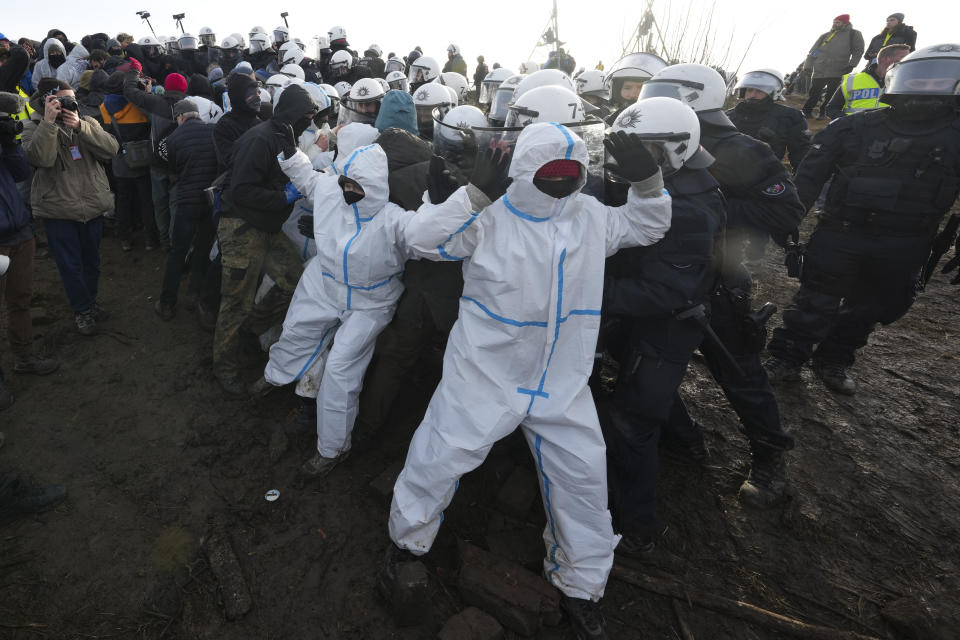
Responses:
[288,141]
[9,128]
[305,225]
[633,162]
[440,180]
[490,173]
[953,264]
[783,240]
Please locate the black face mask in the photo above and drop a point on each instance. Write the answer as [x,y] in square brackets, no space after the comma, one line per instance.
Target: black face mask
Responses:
[351,197]
[557,188]
[922,108]
[301,125]
[756,106]
[56,61]
[253,100]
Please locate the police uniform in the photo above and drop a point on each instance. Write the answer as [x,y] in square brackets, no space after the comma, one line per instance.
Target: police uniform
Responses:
[760,197]
[892,183]
[783,128]
[645,287]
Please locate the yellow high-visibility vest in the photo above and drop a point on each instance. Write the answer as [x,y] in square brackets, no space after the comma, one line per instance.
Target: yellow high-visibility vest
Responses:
[27,110]
[861,92]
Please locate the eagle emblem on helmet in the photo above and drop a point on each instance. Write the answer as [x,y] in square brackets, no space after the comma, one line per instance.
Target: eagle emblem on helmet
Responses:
[513,80]
[946,47]
[462,125]
[362,92]
[629,119]
[423,94]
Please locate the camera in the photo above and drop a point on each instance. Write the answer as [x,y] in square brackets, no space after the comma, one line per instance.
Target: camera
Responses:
[69,103]
[143,14]
[179,16]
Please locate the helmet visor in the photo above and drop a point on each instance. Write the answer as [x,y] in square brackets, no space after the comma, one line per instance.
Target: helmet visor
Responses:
[393,65]
[761,81]
[488,89]
[925,77]
[208,39]
[363,112]
[501,100]
[188,43]
[399,85]
[280,36]
[669,88]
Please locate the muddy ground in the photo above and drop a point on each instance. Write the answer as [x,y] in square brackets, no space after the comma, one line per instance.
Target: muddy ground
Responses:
[153,452]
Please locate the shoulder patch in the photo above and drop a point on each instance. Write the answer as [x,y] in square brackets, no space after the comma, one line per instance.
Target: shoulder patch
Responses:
[776,189]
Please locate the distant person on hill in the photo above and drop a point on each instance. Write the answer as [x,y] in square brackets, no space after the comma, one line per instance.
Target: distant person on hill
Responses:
[835,53]
[894,33]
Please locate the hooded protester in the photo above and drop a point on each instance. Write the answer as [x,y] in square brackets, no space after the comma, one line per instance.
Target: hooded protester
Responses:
[75,64]
[54,55]
[96,91]
[62,37]
[243,115]
[894,33]
[520,354]
[257,202]
[350,290]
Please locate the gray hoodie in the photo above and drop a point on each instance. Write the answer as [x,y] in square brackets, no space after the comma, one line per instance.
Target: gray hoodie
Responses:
[43,68]
[71,70]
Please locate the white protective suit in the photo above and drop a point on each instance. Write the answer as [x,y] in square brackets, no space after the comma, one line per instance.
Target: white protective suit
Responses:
[520,353]
[350,289]
[43,69]
[71,70]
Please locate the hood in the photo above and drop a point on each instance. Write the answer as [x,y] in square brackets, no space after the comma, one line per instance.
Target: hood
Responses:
[199,86]
[237,86]
[293,103]
[368,166]
[98,81]
[397,111]
[53,43]
[352,137]
[541,143]
[78,52]
[113,85]
[55,33]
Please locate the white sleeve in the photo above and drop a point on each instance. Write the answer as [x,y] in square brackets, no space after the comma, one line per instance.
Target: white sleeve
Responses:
[643,220]
[444,231]
[301,173]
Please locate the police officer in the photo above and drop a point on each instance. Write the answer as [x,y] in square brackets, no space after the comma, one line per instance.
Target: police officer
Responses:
[647,288]
[760,197]
[895,173]
[759,116]
[862,91]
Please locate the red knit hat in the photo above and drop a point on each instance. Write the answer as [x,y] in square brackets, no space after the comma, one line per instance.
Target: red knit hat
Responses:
[559,168]
[844,18]
[175,82]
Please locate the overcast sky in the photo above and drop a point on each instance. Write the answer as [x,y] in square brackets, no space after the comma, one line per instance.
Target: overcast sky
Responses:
[502,30]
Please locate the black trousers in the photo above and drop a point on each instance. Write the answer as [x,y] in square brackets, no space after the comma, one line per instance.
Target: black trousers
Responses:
[824,87]
[853,278]
[135,207]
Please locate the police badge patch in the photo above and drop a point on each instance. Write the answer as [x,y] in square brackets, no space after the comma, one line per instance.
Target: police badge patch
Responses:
[776,189]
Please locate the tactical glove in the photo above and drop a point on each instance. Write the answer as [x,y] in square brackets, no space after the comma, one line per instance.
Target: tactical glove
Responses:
[440,181]
[633,162]
[490,173]
[305,225]
[288,141]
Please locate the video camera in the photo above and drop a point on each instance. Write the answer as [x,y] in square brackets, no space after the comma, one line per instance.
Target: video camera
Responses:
[179,16]
[143,14]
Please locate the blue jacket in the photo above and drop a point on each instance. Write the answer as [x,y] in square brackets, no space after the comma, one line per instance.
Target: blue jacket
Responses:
[14,215]
[397,111]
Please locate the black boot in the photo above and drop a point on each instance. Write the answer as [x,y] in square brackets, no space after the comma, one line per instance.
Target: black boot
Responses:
[405,585]
[766,486]
[834,376]
[585,618]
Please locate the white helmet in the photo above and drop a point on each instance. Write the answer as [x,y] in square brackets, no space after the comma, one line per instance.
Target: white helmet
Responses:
[332,94]
[229,43]
[342,89]
[293,70]
[300,44]
[503,97]
[289,53]
[456,82]
[171,43]
[423,69]
[257,29]
[491,82]
[670,129]
[319,95]
[281,34]
[398,80]
[395,64]
[376,49]
[362,102]
[696,85]
[528,67]
[151,45]
[207,37]
[337,33]
[543,78]
[278,91]
[454,49]
[323,42]
[590,83]
[549,103]
[635,67]
[383,84]
[428,97]
[448,130]
[276,81]
[259,42]
[239,38]
[454,96]
[930,71]
[340,63]
[770,81]
[186,42]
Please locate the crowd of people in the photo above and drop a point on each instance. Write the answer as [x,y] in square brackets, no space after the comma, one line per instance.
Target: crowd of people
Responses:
[569,238]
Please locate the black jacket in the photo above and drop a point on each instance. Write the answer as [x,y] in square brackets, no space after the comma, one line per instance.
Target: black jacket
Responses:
[256,192]
[192,158]
[902,34]
[235,122]
[13,69]
[783,128]
[159,110]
